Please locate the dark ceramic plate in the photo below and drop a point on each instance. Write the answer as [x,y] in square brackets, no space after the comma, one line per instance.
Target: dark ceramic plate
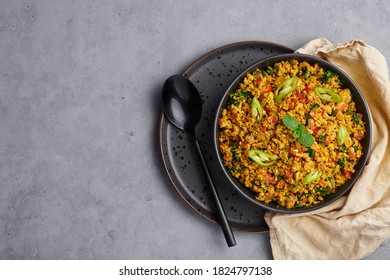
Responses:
[361,107]
[212,74]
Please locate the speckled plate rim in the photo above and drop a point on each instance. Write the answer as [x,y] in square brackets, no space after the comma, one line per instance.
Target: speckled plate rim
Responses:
[162,118]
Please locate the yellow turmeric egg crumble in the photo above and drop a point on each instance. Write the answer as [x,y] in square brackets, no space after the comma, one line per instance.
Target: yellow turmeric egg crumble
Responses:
[291,133]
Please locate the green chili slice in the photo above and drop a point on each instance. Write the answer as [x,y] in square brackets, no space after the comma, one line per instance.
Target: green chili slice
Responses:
[257,109]
[342,134]
[327,94]
[285,88]
[262,158]
[311,176]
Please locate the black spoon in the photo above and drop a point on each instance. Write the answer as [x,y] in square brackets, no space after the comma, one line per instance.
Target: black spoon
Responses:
[182,106]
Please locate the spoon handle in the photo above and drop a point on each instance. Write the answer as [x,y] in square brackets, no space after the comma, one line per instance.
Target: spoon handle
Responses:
[227,231]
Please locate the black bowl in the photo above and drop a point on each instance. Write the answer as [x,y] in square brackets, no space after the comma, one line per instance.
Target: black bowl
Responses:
[361,107]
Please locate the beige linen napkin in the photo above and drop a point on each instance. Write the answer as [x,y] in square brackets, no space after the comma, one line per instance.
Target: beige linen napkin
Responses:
[356,224]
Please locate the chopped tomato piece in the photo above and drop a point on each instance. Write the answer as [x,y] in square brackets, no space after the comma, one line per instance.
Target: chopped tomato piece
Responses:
[297,153]
[300,96]
[347,174]
[351,153]
[342,106]
[289,174]
[315,129]
[271,120]
[307,89]
[268,88]
[326,142]
[359,135]
[292,103]
[257,81]
[270,179]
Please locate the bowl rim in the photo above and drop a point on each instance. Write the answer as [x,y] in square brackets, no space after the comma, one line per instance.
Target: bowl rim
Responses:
[346,187]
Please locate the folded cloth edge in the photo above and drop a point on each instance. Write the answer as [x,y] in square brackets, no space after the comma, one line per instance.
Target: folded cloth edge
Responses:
[320,47]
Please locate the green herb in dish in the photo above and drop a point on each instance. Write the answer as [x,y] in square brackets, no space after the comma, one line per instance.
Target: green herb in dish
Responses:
[306,139]
[328,75]
[290,122]
[356,118]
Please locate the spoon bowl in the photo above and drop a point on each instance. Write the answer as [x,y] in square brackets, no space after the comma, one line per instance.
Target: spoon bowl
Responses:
[182,105]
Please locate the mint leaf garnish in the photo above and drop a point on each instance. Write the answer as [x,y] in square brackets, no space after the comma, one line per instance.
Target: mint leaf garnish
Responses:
[290,122]
[306,139]
[299,130]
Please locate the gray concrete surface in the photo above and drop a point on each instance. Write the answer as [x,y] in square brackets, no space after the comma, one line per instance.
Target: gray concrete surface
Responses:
[80,170]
